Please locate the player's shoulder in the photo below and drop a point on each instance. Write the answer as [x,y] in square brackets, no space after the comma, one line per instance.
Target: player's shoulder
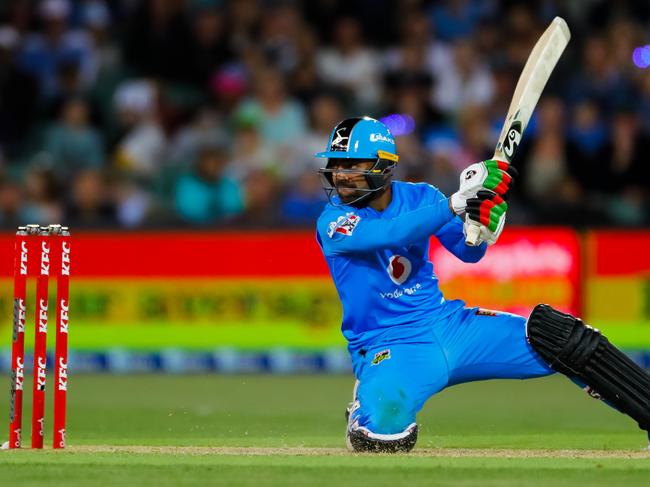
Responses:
[416,191]
[339,219]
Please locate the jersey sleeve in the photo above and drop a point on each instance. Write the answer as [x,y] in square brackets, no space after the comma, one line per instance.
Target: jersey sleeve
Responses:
[452,237]
[341,233]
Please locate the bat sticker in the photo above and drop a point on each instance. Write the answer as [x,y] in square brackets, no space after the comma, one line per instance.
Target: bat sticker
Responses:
[512,140]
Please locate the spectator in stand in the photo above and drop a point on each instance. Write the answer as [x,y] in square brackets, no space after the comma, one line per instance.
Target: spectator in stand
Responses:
[280,30]
[417,42]
[158,40]
[141,147]
[48,54]
[262,197]
[244,20]
[325,112]
[96,18]
[91,204]
[644,100]
[600,80]
[475,136]
[547,187]
[623,36]
[467,81]
[249,150]
[210,48]
[11,204]
[457,19]
[627,178]
[544,175]
[282,121]
[351,66]
[18,94]
[443,173]
[304,200]
[304,80]
[205,130]
[72,142]
[588,147]
[206,195]
[43,197]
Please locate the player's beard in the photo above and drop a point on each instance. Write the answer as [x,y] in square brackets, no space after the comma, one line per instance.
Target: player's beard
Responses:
[348,192]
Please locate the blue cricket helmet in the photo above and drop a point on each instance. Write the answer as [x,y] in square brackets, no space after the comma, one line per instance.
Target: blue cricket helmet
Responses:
[360,138]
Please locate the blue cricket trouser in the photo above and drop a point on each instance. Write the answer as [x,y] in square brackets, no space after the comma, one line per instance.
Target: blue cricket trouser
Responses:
[396,378]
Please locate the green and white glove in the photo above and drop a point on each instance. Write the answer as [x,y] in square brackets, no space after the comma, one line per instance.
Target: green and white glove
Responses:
[492,175]
[487,211]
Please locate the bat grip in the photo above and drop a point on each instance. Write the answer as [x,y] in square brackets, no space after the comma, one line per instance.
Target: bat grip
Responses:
[473,232]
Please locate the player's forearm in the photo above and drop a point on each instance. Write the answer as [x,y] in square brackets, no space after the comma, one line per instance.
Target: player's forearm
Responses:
[469,253]
[401,230]
[451,236]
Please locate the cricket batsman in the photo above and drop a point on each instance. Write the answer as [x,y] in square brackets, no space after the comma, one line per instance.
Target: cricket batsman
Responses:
[408,342]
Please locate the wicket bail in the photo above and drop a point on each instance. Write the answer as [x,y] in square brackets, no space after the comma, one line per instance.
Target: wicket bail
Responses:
[53,246]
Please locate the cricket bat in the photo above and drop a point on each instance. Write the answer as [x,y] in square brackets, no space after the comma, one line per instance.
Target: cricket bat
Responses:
[533,78]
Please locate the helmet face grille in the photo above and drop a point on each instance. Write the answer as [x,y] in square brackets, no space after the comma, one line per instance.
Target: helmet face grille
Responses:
[378,178]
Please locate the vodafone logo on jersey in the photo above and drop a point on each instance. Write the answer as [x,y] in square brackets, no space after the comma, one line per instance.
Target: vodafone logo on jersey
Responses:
[399,269]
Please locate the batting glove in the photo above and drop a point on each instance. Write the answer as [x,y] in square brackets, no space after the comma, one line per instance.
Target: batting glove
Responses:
[488,211]
[493,175]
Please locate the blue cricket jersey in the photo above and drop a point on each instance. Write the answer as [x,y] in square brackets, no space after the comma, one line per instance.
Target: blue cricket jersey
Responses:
[379,261]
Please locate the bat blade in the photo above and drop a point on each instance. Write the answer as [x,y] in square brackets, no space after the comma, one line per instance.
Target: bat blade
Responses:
[533,79]
[537,71]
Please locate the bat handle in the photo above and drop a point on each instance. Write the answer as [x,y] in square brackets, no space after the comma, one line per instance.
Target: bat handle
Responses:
[473,232]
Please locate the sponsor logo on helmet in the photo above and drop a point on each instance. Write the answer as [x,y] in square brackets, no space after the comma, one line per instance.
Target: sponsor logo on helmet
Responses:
[381,137]
[340,142]
[343,225]
[399,269]
[381,356]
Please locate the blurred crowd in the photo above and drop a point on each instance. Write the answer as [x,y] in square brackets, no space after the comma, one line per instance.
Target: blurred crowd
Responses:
[139,113]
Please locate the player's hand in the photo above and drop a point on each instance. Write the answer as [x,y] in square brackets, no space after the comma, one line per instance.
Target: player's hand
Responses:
[487,212]
[493,175]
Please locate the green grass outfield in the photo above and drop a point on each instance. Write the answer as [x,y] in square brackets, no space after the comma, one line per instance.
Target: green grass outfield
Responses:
[288,430]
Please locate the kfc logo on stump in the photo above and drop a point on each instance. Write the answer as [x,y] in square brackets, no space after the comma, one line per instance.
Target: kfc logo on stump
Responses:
[399,269]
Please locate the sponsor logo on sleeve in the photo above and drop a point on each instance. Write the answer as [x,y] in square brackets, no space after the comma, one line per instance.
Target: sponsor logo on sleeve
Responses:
[344,225]
[381,356]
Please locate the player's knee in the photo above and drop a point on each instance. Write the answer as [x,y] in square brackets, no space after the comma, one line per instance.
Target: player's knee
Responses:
[388,411]
[563,341]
